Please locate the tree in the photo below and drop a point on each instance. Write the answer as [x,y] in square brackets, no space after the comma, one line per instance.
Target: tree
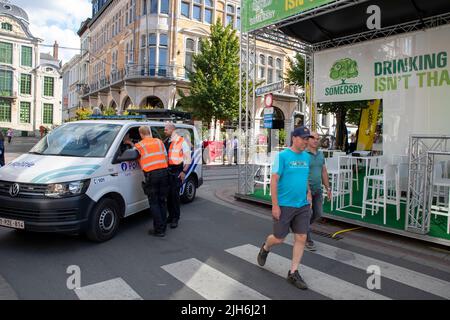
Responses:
[343,111]
[214,82]
[296,71]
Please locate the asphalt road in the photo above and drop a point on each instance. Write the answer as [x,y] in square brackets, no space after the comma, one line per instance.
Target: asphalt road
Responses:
[214,247]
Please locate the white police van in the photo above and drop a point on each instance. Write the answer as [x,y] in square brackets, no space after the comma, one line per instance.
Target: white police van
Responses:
[81,178]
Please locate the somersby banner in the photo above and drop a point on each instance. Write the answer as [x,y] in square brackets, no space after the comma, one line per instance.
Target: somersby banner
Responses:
[372,70]
[260,13]
[410,73]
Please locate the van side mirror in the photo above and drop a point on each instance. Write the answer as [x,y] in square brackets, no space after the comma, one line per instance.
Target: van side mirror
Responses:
[128,155]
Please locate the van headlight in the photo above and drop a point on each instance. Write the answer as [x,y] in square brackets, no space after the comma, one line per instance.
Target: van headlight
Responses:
[67,189]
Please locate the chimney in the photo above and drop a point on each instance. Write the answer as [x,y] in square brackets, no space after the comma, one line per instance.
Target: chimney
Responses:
[55,50]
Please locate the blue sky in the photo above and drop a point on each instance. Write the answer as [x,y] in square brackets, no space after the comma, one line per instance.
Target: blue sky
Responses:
[57,20]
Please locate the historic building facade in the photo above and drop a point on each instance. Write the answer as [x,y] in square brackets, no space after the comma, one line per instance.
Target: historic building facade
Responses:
[30,84]
[139,51]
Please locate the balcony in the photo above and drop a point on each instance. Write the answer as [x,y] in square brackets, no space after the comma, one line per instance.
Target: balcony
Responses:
[133,73]
[140,72]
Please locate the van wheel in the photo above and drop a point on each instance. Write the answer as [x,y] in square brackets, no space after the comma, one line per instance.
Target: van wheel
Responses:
[104,221]
[189,191]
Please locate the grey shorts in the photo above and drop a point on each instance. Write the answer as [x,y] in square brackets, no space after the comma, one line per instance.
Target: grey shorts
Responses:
[297,219]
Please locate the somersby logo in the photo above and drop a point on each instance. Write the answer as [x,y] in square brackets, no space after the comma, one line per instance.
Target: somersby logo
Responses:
[343,70]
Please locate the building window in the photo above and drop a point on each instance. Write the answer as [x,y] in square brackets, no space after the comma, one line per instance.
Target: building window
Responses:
[152,47]
[6,83]
[25,110]
[158,54]
[5,52]
[208,15]
[6,26]
[144,7]
[5,110]
[197,13]
[164,7]
[153,6]
[279,70]
[230,15]
[270,70]
[25,83]
[49,83]
[238,19]
[163,46]
[262,67]
[190,51]
[185,9]
[47,114]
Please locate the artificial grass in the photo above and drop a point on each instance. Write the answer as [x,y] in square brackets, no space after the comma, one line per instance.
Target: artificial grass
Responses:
[438,225]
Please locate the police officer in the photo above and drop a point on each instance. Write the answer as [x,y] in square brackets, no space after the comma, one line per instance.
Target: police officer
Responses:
[179,161]
[153,161]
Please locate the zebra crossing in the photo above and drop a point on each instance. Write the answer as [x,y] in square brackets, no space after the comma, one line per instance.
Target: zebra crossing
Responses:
[213,284]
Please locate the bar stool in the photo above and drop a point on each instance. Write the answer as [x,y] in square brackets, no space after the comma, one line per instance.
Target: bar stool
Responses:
[385,190]
[337,175]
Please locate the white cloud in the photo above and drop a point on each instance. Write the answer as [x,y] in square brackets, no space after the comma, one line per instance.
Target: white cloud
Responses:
[57,20]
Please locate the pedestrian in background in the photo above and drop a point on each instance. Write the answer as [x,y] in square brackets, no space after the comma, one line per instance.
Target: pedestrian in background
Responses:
[2,149]
[153,161]
[235,149]
[291,202]
[9,134]
[318,175]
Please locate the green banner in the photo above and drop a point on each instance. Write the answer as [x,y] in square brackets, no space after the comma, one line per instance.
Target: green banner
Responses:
[260,13]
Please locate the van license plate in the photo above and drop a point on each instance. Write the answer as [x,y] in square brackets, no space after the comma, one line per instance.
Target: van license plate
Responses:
[16,224]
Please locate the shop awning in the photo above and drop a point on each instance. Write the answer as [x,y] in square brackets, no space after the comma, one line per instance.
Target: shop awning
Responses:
[327,27]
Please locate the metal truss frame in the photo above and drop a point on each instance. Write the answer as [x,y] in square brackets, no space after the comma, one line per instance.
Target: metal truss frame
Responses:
[422,150]
[420,173]
[408,27]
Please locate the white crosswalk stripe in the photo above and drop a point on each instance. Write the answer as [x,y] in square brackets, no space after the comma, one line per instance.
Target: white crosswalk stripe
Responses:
[317,281]
[114,289]
[408,277]
[209,282]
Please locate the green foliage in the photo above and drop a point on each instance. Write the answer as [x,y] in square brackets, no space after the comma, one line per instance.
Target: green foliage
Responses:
[344,69]
[109,112]
[344,112]
[83,113]
[214,83]
[296,71]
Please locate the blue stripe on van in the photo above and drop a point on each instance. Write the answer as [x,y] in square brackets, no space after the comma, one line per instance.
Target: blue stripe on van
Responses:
[86,167]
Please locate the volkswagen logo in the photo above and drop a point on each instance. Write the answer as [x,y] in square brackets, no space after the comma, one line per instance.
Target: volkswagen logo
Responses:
[14,190]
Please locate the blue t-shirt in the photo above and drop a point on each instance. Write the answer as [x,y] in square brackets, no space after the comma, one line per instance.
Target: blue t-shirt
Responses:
[293,169]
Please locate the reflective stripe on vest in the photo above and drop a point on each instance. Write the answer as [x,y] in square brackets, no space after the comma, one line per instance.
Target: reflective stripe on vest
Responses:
[152,154]
[176,152]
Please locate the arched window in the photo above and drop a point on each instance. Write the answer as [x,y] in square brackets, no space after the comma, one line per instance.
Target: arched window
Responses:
[270,70]
[279,70]
[262,66]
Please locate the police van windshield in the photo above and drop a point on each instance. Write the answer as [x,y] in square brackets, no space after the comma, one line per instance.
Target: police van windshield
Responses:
[78,140]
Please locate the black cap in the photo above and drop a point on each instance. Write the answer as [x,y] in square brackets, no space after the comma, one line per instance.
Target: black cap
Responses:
[302,132]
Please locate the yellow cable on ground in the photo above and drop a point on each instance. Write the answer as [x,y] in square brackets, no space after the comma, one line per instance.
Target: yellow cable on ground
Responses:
[346,230]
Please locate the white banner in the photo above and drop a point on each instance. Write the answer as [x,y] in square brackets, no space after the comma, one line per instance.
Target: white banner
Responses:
[410,73]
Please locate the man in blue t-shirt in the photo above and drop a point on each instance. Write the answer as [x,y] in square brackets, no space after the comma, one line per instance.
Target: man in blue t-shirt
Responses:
[291,202]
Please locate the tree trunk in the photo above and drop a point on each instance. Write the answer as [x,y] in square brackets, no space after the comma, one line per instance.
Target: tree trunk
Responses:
[341,129]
